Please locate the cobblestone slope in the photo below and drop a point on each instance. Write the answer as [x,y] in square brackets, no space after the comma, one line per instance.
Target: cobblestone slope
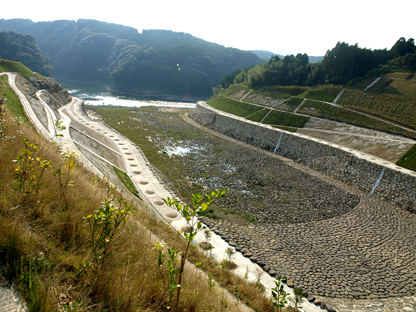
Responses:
[366,253]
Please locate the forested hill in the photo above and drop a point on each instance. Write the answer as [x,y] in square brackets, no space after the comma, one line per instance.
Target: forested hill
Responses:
[24,48]
[343,64]
[157,60]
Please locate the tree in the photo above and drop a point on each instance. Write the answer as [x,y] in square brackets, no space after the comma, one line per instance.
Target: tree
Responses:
[200,203]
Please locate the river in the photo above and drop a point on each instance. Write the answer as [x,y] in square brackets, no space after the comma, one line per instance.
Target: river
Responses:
[99,96]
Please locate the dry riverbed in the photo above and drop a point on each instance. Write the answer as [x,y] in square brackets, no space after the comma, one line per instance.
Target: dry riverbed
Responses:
[329,239]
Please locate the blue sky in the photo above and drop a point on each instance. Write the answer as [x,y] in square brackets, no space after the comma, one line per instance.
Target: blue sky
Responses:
[283,27]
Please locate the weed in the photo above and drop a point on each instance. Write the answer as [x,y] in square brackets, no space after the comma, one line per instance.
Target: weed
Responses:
[106,224]
[279,295]
[126,180]
[64,176]
[3,126]
[229,253]
[200,204]
[211,282]
[30,168]
[298,298]
[60,127]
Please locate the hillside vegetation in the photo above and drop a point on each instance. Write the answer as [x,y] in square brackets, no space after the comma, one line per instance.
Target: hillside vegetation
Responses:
[17,67]
[24,48]
[343,64]
[120,56]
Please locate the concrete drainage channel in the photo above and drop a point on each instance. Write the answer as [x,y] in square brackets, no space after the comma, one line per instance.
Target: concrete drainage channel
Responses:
[151,190]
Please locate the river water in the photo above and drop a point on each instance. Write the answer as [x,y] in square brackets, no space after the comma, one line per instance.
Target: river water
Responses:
[99,96]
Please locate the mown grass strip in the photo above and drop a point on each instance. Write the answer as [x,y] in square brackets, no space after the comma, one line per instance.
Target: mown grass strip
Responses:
[322,93]
[128,183]
[332,112]
[259,115]
[291,129]
[280,91]
[279,118]
[408,160]
[397,108]
[294,101]
[233,107]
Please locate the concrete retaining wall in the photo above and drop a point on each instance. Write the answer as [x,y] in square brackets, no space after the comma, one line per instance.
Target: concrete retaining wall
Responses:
[363,171]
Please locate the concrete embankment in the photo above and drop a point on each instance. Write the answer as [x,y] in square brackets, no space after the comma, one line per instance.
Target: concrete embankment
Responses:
[365,172]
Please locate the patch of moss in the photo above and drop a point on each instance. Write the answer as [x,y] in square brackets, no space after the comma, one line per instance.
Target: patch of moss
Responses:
[408,160]
[128,183]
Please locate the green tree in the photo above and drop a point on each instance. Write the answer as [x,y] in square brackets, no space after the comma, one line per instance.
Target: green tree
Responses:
[200,203]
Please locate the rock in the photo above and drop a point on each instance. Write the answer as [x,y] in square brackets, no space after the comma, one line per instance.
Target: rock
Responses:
[330,309]
[311,298]
[290,283]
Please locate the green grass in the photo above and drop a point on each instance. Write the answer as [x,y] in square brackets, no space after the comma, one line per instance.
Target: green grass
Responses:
[291,129]
[397,108]
[139,132]
[259,115]
[292,103]
[12,102]
[280,91]
[234,89]
[402,87]
[295,101]
[232,106]
[332,112]
[17,67]
[285,119]
[408,160]
[322,93]
[128,183]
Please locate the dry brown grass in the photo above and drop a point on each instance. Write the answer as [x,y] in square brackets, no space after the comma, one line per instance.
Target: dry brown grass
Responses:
[44,238]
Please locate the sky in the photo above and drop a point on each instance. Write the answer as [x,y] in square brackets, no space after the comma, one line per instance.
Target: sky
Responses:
[281,27]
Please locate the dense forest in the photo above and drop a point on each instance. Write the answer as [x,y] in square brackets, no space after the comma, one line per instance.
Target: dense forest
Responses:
[24,49]
[120,56]
[341,65]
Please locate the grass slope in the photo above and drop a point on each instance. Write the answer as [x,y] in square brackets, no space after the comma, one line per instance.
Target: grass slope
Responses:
[256,113]
[332,112]
[232,106]
[408,160]
[279,118]
[17,67]
[12,101]
[128,183]
[397,108]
